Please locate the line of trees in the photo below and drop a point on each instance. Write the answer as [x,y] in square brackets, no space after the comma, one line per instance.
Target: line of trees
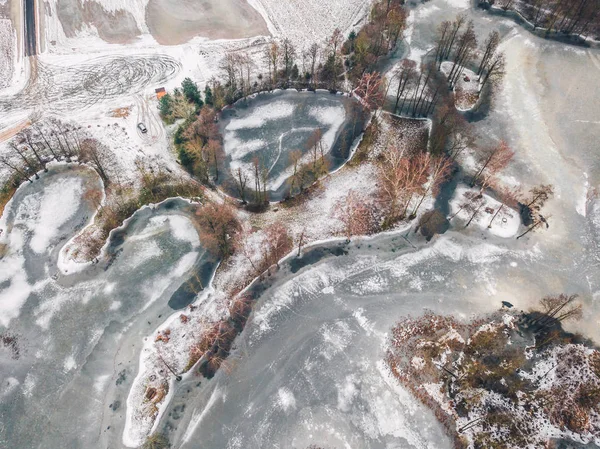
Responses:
[52,140]
[570,17]
[456,42]
[419,89]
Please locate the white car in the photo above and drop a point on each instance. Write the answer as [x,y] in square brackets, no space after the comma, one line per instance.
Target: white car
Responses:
[142,128]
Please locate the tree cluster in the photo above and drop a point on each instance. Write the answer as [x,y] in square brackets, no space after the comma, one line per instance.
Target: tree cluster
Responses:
[183,103]
[200,147]
[197,139]
[42,142]
[405,180]
[456,42]
[377,38]
[218,225]
[486,358]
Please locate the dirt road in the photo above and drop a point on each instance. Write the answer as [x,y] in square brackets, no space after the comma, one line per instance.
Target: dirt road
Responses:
[147,115]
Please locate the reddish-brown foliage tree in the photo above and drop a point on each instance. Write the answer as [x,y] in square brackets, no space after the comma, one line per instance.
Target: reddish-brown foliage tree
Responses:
[353,211]
[370,90]
[492,161]
[218,225]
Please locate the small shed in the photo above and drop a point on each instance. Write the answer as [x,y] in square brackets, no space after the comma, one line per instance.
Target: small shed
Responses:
[160,92]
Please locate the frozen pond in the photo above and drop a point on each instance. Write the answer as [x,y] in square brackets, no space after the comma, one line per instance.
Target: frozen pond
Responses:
[269,127]
[79,334]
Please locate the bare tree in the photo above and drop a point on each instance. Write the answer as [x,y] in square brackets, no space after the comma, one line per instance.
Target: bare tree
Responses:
[25,138]
[489,48]
[494,70]
[21,153]
[288,54]
[561,307]
[471,201]
[272,56]
[278,241]
[474,208]
[452,34]
[229,66]
[492,160]
[395,23]
[538,196]
[316,150]
[556,309]
[15,168]
[313,56]
[356,216]
[494,164]
[537,222]
[370,90]
[428,69]
[439,170]
[443,36]
[301,241]
[404,75]
[92,153]
[49,146]
[295,180]
[241,179]
[466,45]
[400,179]
[509,198]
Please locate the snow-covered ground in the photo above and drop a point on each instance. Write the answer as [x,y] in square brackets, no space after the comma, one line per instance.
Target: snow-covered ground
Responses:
[7,52]
[489,214]
[466,88]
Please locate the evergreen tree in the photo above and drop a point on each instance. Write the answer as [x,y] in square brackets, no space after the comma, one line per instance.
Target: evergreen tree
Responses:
[295,72]
[191,92]
[165,105]
[208,96]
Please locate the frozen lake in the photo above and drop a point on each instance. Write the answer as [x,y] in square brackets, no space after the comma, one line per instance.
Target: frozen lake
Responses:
[307,368]
[271,126]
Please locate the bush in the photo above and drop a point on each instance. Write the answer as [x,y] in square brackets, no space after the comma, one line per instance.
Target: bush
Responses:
[156,441]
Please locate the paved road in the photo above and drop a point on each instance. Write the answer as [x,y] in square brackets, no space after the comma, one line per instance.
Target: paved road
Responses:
[30,27]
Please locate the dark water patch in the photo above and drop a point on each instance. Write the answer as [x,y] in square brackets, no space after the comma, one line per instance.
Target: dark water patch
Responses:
[188,291]
[447,189]
[315,255]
